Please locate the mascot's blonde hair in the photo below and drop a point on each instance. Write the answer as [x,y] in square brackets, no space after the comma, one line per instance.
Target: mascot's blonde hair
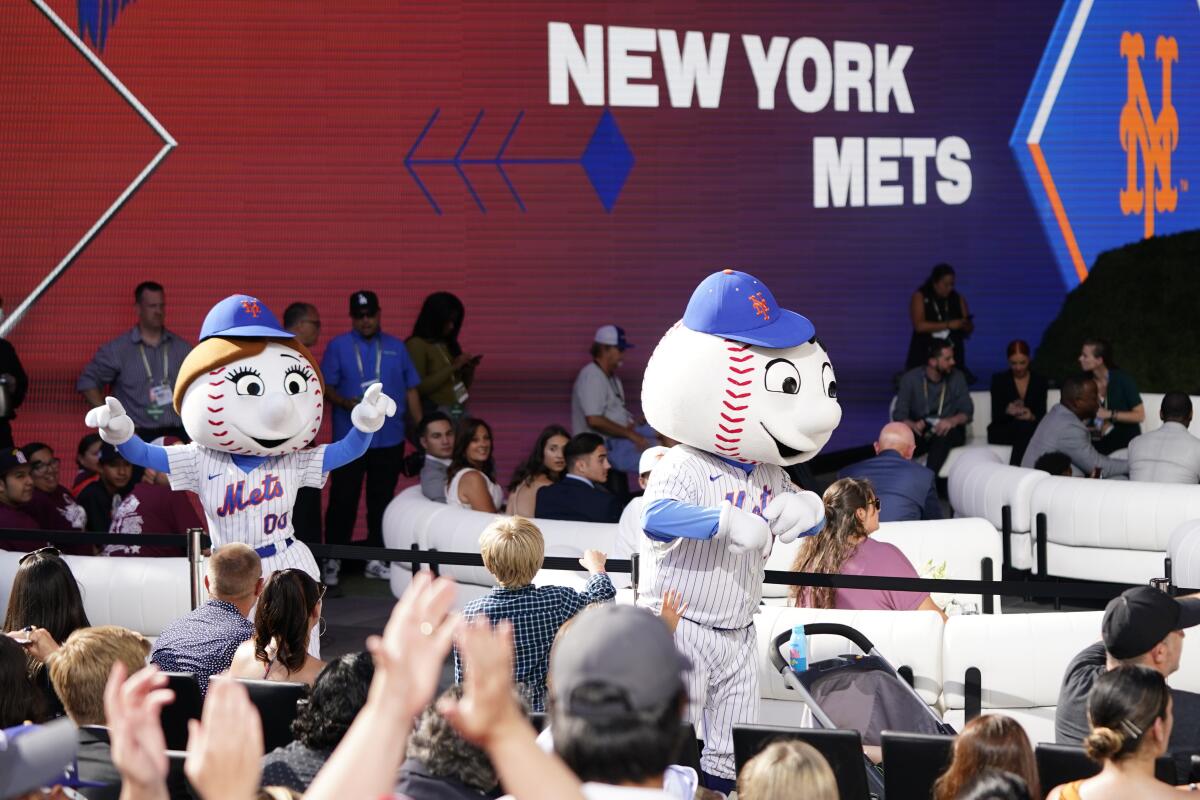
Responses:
[218,351]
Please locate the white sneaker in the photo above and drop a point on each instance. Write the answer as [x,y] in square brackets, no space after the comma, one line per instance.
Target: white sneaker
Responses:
[378,570]
[329,571]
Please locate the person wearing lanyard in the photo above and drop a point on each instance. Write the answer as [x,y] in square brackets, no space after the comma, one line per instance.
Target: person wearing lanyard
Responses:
[352,362]
[140,367]
[935,402]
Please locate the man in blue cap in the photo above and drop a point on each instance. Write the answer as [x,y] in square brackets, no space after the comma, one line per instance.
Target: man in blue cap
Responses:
[352,362]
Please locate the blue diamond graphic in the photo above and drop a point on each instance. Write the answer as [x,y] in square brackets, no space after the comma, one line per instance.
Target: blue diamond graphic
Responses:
[607,160]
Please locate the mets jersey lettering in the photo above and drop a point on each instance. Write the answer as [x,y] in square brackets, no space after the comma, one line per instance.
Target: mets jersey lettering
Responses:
[235,502]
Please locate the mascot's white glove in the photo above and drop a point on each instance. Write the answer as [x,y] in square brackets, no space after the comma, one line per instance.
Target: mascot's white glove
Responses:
[747,532]
[114,424]
[368,415]
[791,515]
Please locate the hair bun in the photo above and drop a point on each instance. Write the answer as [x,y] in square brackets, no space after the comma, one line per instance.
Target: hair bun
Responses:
[1103,743]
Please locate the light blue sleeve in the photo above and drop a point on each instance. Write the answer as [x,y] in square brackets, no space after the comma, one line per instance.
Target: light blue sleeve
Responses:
[666,519]
[352,445]
[138,451]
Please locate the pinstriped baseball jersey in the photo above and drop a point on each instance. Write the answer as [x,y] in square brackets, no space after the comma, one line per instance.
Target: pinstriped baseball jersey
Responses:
[251,507]
[722,589]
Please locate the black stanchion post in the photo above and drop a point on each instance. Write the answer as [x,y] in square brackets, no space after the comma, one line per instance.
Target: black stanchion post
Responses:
[1040,527]
[985,573]
[634,574]
[1005,544]
[195,555]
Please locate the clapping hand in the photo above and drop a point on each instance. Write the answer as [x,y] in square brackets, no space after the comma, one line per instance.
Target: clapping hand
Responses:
[225,746]
[488,708]
[673,606]
[133,711]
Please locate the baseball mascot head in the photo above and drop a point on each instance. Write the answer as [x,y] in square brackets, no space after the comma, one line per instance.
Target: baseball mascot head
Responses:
[249,387]
[741,377]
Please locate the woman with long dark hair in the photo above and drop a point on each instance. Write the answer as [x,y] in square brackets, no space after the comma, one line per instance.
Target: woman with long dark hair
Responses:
[1129,710]
[20,698]
[544,466]
[1018,402]
[937,311]
[471,476]
[1121,411]
[446,371]
[288,609]
[990,741]
[845,547]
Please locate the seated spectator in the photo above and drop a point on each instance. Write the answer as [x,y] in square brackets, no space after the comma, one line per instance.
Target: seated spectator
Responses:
[629,528]
[1142,626]
[990,741]
[471,476]
[16,490]
[203,641]
[617,700]
[440,764]
[1131,715]
[997,784]
[20,698]
[580,495]
[79,672]
[87,458]
[1120,412]
[52,505]
[100,497]
[544,466]
[513,550]
[1055,463]
[1018,402]
[933,400]
[337,696]
[436,434]
[845,547]
[1063,430]
[1170,454]
[907,490]
[151,506]
[787,769]
[288,610]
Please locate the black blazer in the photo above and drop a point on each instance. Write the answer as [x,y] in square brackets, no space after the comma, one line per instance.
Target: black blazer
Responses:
[572,499]
[1004,391]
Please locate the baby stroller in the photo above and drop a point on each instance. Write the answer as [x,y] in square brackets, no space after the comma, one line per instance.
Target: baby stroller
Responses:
[863,693]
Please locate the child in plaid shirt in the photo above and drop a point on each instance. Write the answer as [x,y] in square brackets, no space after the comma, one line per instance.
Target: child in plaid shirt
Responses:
[513,550]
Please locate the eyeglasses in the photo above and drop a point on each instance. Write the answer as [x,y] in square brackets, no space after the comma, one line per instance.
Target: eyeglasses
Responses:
[42,466]
[51,551]
[877,503]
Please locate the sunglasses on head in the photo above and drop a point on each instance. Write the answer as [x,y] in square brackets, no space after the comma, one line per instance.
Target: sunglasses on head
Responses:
[51,551]
[321,588]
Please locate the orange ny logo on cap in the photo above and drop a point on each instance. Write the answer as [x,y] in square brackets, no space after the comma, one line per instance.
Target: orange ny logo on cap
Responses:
[760,306]
[252,308]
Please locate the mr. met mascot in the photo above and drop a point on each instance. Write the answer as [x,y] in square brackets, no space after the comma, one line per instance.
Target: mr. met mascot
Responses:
[251,399]
[746,388]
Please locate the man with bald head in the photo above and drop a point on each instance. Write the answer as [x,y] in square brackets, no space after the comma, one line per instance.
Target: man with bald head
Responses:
[906,490]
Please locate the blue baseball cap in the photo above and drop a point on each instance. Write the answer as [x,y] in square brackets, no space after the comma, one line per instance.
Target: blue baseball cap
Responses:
[241,316]
[738,306]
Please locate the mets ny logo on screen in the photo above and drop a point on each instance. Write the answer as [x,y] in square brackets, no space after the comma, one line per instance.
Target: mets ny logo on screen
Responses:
[1142,134]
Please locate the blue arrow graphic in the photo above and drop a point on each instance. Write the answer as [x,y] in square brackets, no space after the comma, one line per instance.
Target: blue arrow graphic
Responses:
[606,160]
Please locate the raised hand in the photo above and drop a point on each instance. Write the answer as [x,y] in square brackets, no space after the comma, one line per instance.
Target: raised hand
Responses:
[370,412]
[225,746]
[794,515]
[673,606]
[488,708]
[114,425]
[133,711]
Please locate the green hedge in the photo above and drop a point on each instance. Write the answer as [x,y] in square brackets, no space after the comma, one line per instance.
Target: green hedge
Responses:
[1145,299]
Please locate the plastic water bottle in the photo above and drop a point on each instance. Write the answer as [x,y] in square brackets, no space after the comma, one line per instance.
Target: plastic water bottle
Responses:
[797,650]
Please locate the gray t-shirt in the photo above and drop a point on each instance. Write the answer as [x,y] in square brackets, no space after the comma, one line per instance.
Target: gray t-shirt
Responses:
[597,394]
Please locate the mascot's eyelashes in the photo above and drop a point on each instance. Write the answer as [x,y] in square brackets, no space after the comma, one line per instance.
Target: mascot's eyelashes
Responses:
[246,380]
[828,379]
[782,376]
[295,380]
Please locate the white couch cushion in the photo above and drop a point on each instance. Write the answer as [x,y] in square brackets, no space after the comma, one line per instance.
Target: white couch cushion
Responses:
[1184,549]
[982,486]
[142,594]
[1038,723]
[904,638]
[1021,657]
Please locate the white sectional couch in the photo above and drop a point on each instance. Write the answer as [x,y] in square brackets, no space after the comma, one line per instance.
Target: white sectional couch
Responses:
[983,485]
[143,594]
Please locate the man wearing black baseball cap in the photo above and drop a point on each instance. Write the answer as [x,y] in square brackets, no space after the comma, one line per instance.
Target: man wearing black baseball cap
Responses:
[16,489]
[617,700]
[116,481]
[1142,626]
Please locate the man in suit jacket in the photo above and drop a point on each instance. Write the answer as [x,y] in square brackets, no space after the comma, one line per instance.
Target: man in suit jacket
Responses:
[907,491]
[1062,430]
[579,496]
[1169,454]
